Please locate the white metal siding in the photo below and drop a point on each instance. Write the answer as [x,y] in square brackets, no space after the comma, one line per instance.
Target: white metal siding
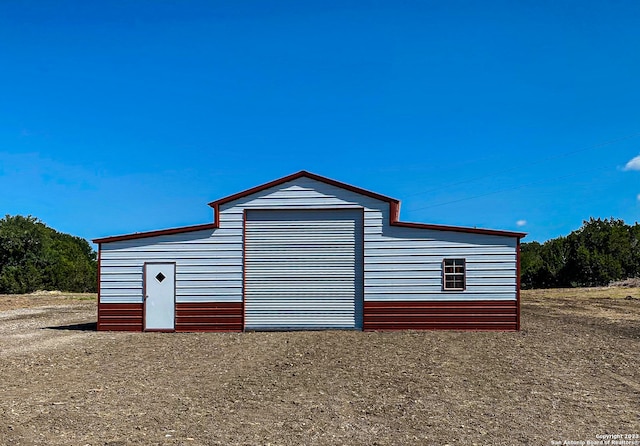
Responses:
[400,263]
[303,269]
[404,264]
[208,266]
[209,263]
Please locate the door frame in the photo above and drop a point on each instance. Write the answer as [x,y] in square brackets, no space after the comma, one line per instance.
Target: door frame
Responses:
[144,298]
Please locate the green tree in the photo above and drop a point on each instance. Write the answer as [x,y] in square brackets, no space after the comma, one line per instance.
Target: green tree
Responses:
[34,256]
[600,252]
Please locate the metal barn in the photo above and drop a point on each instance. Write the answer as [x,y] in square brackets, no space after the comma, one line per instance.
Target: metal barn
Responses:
[305,252]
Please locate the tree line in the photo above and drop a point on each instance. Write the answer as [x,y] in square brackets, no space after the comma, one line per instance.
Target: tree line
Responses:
[35,257]
[600,252]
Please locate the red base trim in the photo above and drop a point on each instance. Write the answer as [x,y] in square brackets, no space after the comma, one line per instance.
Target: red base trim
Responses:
[119,317]
[209,316]
[378,316]
[204,316]
[457,315]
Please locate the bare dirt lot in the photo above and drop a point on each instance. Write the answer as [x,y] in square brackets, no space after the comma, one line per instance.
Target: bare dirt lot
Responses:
[572,373]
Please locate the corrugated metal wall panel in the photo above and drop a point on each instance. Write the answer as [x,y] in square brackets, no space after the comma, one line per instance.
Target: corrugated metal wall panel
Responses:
[121,295]
[209,316]
[212,270]
[177,253]
[460,315]
[435,284]
[118,278]
[120,317]
[221,246]
[504,276]
[215,256]
[203,262]
[417,265]
[208,266]
[205,291]
[438,296]
[308,194]
[422,249]
[405,264]
[210,275]
[426,257]
[303,269]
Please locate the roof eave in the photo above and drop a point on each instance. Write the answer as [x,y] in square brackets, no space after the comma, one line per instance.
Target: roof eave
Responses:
[170,231]
[394,207]
[303,173]
[465,229]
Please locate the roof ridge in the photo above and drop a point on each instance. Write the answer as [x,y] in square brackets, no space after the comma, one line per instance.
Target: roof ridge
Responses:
[394,211]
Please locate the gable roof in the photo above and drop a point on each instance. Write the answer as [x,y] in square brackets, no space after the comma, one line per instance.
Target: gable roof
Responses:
[394,211]
[294,176]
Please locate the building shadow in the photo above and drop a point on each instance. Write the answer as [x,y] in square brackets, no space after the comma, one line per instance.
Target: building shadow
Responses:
[87,326]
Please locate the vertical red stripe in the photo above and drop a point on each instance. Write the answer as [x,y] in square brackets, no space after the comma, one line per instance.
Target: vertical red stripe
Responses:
[99,281]
[518,285]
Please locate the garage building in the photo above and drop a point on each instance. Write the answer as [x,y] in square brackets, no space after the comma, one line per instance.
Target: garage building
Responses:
[306,252]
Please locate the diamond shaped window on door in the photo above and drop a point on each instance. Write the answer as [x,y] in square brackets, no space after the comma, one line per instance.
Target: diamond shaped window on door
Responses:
[160,277]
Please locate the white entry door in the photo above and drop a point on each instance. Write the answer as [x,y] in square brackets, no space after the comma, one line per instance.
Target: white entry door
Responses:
[159,300]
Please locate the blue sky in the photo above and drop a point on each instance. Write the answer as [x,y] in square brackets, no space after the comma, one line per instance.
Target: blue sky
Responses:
[127,116]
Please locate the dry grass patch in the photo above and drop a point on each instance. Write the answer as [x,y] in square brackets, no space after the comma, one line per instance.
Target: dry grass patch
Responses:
[41,299]
[613,304]
[607,292]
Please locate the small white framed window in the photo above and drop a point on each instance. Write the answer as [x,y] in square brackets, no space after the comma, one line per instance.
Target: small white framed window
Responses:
[454,275]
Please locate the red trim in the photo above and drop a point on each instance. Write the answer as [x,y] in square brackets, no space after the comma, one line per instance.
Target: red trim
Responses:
[137,235]
[394,204]
[441,315]
[364,271]
[99,282]
[394,211]
[295,176]
[518,285]
[120,317]
[459,229]
[196,316]
[209,316]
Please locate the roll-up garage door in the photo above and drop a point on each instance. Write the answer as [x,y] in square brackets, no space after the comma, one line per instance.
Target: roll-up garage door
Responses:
[303,269]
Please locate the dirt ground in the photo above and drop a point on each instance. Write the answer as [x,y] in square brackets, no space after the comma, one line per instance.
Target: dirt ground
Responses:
[572,373]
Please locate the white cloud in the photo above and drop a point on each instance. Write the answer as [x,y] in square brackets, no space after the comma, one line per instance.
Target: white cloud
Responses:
[634,164]
[638,197]
[521,223]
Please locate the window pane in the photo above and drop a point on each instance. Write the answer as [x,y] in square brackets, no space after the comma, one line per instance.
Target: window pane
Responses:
[450,284]
[454,274]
